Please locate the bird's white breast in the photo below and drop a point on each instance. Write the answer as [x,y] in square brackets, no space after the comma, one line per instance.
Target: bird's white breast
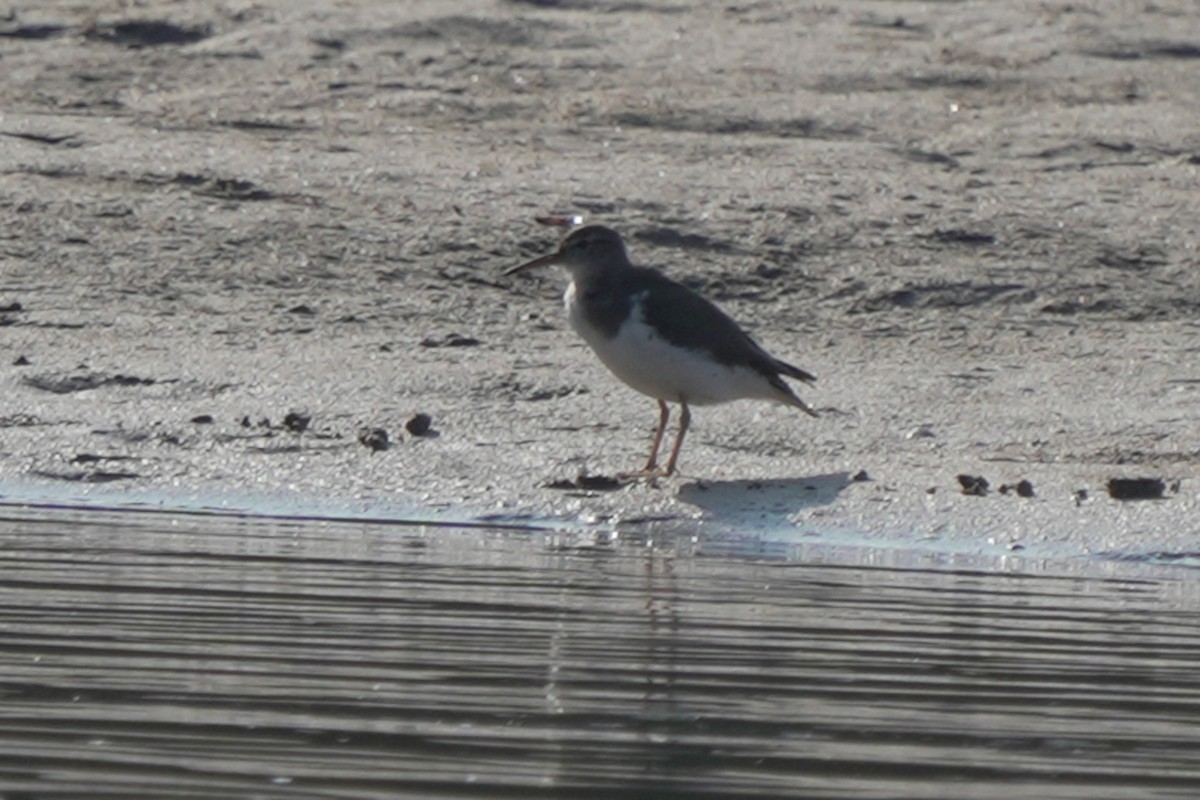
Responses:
[644,360]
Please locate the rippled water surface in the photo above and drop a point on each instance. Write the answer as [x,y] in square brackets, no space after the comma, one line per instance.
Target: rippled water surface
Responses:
[159,656]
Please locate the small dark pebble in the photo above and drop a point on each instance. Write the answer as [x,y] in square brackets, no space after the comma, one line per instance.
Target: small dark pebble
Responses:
[976,485]
[302,310]
[203,419]
[246,423]
[1022,488]
[1080,496]
[296,422]
[374,438]
[10,308]
[1136,488]
[861,476]
[20,361]
[418,424]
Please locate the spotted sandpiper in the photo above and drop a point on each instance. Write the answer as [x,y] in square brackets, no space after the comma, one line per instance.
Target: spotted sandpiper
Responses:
[661,338]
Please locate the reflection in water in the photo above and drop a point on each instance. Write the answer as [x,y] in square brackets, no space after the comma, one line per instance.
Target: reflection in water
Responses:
[152,657]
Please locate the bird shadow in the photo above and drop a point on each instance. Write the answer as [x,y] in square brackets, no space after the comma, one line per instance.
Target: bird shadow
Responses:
[755,503]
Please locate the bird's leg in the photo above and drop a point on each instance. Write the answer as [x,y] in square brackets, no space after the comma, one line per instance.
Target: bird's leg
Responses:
[664,416]
[685,419]
[651,468]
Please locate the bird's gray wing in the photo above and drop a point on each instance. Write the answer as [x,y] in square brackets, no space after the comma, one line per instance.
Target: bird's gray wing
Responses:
[685,319]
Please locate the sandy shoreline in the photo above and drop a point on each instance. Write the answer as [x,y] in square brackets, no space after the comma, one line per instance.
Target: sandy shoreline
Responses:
[975,223]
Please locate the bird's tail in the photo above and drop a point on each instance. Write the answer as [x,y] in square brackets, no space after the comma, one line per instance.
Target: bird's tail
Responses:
[786,395]
[794,372]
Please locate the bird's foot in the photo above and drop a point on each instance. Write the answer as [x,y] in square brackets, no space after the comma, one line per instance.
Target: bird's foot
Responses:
[646,473]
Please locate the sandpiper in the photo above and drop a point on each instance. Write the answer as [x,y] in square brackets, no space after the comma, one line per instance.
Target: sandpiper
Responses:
[661,338]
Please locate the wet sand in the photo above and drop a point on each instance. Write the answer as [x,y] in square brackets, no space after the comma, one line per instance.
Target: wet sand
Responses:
[232,237]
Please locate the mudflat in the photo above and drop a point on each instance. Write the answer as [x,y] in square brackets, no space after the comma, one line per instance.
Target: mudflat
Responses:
[242,246]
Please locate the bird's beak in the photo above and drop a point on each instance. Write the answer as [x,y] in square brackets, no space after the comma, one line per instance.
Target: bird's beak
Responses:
[544,261]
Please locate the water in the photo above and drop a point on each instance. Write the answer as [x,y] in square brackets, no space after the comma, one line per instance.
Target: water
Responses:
[160,656]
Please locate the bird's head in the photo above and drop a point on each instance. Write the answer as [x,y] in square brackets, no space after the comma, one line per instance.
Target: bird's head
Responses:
[584,252]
